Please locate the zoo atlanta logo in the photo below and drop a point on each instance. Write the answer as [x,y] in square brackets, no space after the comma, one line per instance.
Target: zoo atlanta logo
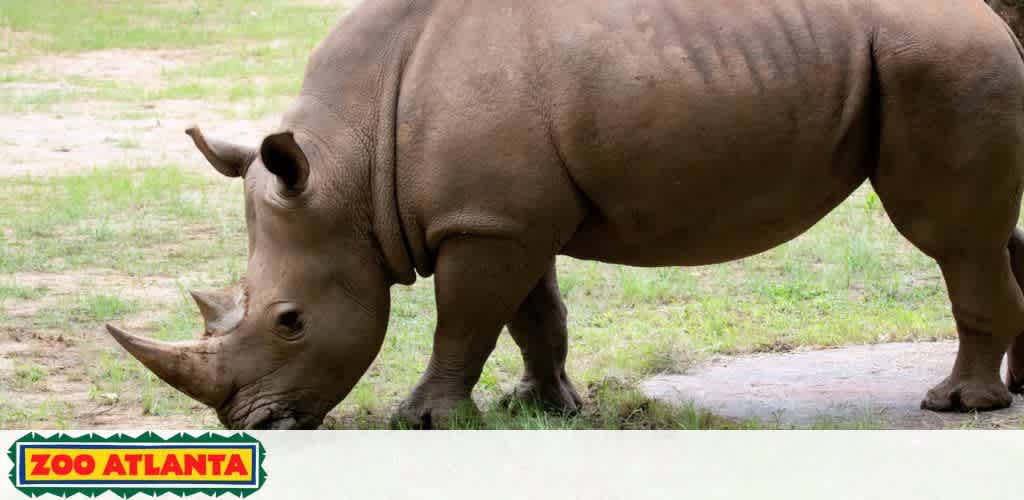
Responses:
[147,464]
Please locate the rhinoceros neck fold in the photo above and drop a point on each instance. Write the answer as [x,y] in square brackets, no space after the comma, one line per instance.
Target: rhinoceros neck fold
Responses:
[387,220]
[356,72]
[387,224]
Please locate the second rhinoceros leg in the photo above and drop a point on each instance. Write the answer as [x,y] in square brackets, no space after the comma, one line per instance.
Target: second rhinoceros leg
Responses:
[540,331]
[479,283]
[1015,355]
[1015,372]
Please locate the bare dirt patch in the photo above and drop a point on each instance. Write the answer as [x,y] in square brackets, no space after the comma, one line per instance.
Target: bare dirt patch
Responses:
[23,89]
[145,288]
[140,67]
[60,286]
[64,397]
[72,136]
[11,40]
[87,136]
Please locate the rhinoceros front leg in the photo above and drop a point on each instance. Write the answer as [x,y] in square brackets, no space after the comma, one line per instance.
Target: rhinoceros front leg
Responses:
[479,283]
[540,331]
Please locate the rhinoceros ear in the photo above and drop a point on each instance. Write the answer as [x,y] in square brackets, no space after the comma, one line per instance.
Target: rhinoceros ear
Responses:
[284,158]
[229,159]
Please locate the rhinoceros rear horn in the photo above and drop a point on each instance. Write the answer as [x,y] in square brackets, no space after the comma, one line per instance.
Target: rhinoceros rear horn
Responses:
[229,159]
[222,310]
[193,367]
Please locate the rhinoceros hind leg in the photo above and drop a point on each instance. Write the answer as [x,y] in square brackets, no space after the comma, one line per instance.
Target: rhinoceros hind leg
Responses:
[479,283]
[949,176]
[1015,355]
[540,331]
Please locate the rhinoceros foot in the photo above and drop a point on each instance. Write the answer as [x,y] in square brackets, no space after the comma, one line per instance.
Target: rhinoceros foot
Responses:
[558,395]
[967,395]
[440,412]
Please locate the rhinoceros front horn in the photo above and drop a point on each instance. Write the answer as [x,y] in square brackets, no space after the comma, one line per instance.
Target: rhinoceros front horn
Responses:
[193,367]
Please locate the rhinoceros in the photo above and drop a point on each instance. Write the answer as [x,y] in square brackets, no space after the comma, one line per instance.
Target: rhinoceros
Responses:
[1010,11]
[476,140]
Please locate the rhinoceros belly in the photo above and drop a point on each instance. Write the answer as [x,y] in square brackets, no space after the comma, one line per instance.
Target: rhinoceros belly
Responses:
[705,135]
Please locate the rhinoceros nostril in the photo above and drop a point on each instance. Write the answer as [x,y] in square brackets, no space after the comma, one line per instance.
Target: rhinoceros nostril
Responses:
[284,424]
[262,425]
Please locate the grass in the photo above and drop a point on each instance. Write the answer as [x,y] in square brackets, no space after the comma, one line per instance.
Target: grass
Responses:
[50,413]
[27,375]
[82,222]
[12,290]
[79,25]
[84,310]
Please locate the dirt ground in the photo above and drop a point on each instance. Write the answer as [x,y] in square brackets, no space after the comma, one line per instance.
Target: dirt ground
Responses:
[94,134]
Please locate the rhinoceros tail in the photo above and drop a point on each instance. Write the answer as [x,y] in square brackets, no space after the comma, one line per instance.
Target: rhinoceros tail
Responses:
[1016,41]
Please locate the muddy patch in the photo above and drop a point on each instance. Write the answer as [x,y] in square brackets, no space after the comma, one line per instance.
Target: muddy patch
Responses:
[872,386]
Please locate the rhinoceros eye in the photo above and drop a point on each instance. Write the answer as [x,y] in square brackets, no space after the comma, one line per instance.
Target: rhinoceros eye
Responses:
[288,322]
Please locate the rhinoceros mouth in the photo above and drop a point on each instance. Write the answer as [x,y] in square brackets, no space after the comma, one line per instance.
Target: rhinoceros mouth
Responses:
[270,419]
[267,412]
[288,423]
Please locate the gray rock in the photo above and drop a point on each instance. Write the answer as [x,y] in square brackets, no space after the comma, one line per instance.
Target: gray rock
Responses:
[875,386]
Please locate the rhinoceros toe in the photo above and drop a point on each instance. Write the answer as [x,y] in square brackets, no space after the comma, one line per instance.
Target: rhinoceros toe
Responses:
[967,395]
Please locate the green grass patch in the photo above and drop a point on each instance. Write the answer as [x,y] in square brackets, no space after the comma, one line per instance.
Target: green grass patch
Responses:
[83,310]
[77,25]
[246,52]
[12,290]
[137,221]
[27,375]
[51,413]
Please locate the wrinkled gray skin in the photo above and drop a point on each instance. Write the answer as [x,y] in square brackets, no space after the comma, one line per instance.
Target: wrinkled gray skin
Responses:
[475,140]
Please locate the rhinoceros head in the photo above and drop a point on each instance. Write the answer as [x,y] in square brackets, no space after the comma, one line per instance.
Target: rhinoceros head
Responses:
[286,344]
